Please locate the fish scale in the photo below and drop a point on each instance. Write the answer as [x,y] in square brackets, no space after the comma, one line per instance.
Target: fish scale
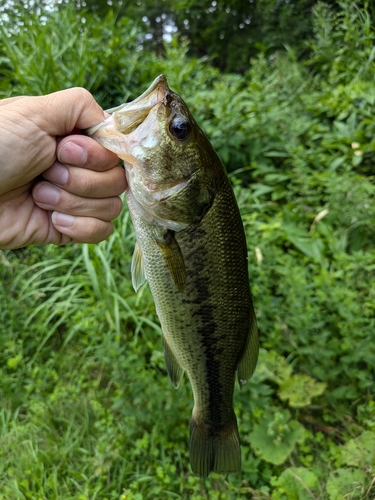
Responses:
[191,248]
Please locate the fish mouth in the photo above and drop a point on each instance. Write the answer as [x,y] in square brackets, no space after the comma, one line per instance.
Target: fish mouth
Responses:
[125,118]
[127,127]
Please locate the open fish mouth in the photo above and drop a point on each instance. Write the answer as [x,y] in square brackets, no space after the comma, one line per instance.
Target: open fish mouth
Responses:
[125,118]
[133,128]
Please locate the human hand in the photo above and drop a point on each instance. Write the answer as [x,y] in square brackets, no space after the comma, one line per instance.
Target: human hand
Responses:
[55,187]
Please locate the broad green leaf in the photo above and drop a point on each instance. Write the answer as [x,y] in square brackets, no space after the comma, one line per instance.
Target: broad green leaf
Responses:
[273,367]
[300,389]
[336,163]
[312,247]
[259,189]
[360,452]
[346,483]
[276,154]
[275,436]
[295,483]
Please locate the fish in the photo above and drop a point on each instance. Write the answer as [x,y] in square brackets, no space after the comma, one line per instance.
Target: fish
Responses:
[191,248]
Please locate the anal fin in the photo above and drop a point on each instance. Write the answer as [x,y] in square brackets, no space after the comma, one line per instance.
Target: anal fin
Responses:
[174,369]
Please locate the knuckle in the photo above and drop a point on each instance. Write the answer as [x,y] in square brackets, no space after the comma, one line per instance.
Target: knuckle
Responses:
[98,230]
[82,94]
[69,203]
[108,230]
[91,226]
[87,185]
[121,179]
[100,158]
[116,207]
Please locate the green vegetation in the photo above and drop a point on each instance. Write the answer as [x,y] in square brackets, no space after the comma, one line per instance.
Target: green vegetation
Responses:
[87,410]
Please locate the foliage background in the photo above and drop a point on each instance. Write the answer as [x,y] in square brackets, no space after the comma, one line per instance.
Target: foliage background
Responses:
[87,411]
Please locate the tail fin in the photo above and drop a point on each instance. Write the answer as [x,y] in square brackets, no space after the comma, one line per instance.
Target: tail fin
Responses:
[216,450]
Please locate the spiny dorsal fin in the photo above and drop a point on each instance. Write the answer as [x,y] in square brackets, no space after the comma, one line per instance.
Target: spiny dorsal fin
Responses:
[175,371]
[173,258]
[137,268]
[249,359]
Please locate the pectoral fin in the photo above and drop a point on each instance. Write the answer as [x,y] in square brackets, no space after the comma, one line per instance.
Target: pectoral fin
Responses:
[137,268]
[249,359]
[175,371]
[173,258]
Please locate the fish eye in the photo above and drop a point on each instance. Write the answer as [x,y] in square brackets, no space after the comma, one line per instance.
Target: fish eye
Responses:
[180,128]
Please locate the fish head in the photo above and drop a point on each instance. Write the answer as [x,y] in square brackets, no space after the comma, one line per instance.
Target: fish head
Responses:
[169,162]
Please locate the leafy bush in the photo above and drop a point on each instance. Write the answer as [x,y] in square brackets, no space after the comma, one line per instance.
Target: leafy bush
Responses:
[45,53]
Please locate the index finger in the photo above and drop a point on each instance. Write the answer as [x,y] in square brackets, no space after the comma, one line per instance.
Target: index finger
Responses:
[82,151]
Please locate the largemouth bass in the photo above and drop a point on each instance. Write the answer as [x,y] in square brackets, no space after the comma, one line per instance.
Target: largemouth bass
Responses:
[191,248]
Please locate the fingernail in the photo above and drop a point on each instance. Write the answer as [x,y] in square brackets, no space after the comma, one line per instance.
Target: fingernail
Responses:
[45,193]
[58,173]
[72,154]
[63,220]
